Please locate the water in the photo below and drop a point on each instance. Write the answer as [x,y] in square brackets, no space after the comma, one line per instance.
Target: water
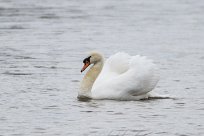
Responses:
[43,43]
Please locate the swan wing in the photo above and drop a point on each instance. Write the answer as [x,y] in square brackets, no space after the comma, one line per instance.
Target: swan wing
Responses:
[114,66]
[125,76]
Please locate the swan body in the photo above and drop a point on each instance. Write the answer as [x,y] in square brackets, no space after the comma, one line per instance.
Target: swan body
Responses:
[120,77]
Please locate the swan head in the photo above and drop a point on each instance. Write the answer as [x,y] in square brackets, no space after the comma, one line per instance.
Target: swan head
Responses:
[93,58]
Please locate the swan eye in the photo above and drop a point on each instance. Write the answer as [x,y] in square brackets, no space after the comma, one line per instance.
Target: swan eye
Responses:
[87,59]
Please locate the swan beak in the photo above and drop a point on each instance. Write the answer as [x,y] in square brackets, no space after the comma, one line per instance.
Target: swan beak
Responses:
[85,66]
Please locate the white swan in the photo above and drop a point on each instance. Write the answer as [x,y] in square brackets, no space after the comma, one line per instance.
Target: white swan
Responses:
[121,77]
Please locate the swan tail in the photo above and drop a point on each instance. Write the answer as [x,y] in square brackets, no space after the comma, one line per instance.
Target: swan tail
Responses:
[146,71]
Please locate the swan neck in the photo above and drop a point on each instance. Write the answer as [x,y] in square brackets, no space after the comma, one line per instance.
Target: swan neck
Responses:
[90,77]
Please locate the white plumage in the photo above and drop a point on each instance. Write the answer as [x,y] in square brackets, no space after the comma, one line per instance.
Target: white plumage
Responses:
[125,77]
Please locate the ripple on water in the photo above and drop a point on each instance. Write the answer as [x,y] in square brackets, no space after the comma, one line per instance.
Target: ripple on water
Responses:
[46,67]
[129,132]
[51,107]
[49,16]
[88,111]
[23,57]
[118,113]
[16,74]
[13,27]
[75,81]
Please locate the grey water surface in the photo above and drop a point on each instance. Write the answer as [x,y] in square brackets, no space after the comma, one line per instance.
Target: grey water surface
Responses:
[43,43]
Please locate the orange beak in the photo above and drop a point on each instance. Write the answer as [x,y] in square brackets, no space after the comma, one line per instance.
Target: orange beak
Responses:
[86,64]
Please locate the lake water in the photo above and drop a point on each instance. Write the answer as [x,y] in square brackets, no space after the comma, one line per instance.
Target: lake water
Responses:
[43,43]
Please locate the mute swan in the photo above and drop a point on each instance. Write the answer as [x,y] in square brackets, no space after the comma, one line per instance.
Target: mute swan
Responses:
[121,77]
